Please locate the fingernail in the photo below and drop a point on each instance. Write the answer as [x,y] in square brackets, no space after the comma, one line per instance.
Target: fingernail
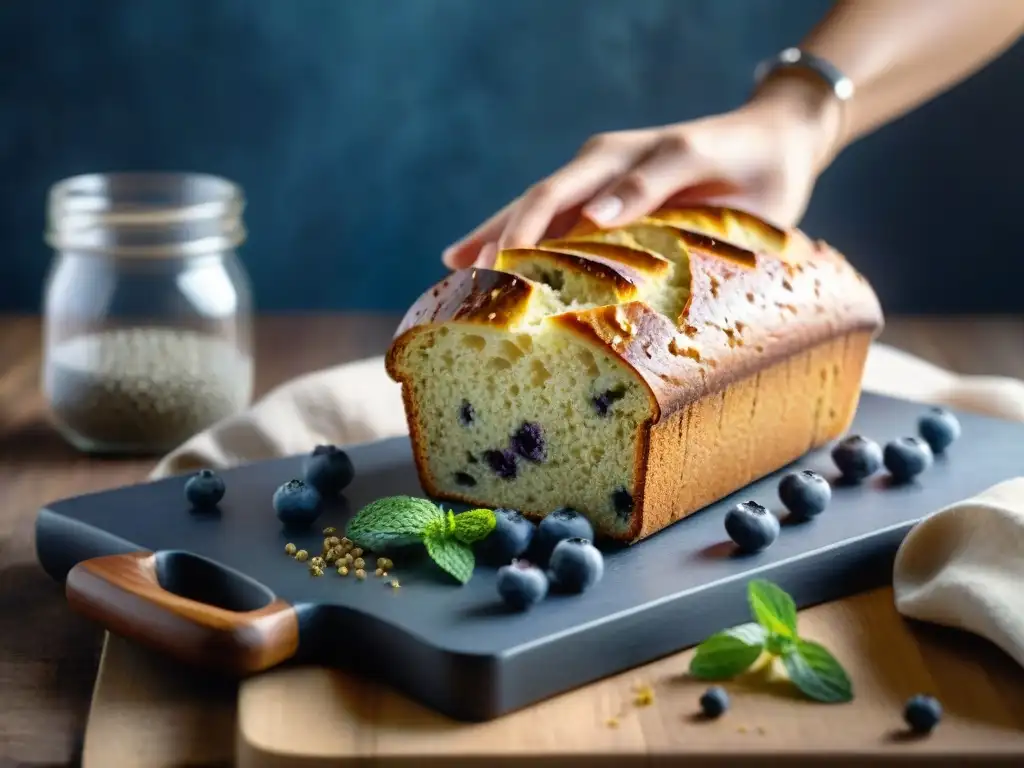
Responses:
[603,210]
[446,257]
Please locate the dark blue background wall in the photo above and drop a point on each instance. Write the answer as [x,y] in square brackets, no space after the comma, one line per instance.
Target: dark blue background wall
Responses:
[369,134]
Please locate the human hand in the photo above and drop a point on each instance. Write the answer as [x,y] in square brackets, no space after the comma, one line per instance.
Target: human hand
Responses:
[764,157]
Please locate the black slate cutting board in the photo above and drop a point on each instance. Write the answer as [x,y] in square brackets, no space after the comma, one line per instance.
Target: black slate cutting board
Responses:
[456,648]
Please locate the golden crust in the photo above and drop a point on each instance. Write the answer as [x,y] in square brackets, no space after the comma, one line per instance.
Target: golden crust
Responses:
[760,300]
[746,309]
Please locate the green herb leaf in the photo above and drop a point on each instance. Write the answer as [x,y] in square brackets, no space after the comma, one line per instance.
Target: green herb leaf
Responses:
[473,525]
[393,521]
[772,608]
[728,653]
[452,556]
[779,645]
[817,673]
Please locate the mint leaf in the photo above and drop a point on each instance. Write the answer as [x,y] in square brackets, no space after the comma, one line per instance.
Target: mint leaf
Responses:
[817,673]
[452,556]
[772,608]
[779,645]
[473,525]
[728,653]
[392,521]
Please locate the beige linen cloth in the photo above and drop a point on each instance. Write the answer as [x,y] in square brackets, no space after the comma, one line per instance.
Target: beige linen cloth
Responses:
[962,566]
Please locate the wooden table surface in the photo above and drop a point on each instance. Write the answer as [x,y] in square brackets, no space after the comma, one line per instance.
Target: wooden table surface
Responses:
[48,656]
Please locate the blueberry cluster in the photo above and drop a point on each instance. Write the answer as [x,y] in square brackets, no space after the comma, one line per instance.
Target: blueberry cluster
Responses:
[526,443]
[807,494]
[603,402]
[561,542]
[326,472]
[622,502]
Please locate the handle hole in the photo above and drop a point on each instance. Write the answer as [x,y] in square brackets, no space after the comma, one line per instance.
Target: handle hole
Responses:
[204,581]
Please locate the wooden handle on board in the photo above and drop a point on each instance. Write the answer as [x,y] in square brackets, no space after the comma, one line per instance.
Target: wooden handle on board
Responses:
[123,594]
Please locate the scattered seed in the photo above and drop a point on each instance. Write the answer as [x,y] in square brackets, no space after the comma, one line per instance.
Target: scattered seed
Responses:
[290,549]
[378,573]
[329,530]
[316,570]
[359,563]
[644,696]
[357,552]
[349,559]
[301,555]
[346,542]
[741,729]
[612,722]
[343,570]
[384,564]
[330,556]
[395,584]
[360,574]
[333,541]
[317,561]
[384,574]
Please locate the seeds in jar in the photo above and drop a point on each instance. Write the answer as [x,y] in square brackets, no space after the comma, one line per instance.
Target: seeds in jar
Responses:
[145,388]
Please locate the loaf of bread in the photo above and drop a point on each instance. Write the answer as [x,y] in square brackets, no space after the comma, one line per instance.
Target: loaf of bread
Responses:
[635,374]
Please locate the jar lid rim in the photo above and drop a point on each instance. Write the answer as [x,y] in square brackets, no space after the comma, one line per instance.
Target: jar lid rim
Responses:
[145,213]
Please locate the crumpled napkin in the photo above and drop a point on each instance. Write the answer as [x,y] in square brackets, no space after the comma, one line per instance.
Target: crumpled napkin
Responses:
[959,567]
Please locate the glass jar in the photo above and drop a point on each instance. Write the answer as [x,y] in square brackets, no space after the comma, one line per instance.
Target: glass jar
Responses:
[147,310]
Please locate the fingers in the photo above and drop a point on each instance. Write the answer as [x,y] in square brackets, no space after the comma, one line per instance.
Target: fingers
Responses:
[467,251]
[668,168]
[596,166]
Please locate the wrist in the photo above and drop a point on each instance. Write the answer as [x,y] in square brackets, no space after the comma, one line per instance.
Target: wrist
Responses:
[804,107]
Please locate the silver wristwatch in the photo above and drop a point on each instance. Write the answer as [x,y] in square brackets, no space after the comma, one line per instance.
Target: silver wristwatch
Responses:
[793,58]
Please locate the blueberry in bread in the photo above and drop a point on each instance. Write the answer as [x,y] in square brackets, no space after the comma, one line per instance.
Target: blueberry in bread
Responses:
[635,374]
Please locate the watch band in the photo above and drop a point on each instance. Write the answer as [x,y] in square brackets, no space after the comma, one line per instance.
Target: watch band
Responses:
[840,86]
[793,58]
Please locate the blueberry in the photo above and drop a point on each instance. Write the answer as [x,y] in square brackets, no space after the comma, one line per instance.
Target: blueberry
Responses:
[603,402]
[204,489]
[906,458]
[297,505]
[521,584]
[922,713]
[939,428]
[503,463]
[563,523]
[466,413]
[806,494]
[528,442]
[510,538]
[622,501]
[714,702]
[576,565]
[857,457]
[464,478]
[751,526]
[328,469]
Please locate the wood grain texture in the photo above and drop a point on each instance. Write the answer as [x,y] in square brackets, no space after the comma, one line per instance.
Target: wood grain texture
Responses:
[316,717]
[122,593]
[157,713]
[48,653]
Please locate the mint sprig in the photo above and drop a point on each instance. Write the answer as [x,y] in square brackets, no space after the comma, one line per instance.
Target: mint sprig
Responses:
[403,520]
[810,667]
